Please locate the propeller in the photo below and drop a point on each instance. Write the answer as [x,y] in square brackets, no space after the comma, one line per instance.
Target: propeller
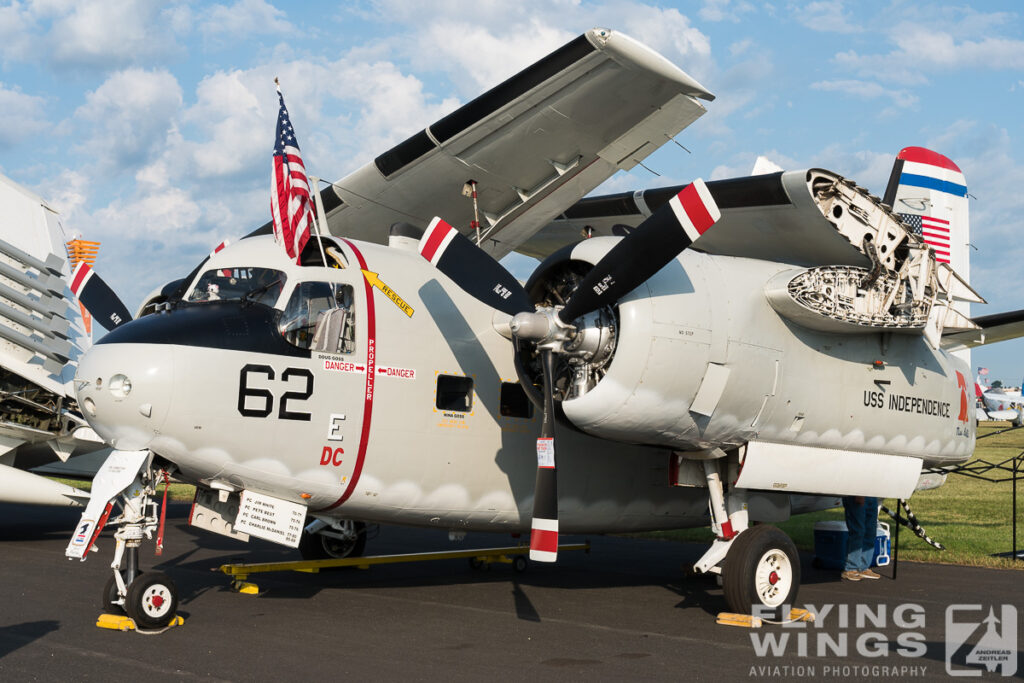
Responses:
[98,298]
[639,255]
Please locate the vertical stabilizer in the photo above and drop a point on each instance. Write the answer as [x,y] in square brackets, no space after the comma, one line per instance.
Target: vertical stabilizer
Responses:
[929,192]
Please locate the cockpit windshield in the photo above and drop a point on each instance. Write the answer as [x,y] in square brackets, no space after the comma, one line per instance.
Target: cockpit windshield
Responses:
[320,316]
[259,285]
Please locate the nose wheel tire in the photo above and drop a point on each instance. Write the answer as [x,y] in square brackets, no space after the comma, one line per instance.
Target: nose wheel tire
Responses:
[325,546]
[109,596]
[152,600]
[761,572]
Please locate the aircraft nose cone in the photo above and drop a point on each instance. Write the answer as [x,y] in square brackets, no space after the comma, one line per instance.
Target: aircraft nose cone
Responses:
[124,392]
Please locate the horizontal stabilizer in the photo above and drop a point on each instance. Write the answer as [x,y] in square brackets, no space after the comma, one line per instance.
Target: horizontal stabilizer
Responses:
[991,329]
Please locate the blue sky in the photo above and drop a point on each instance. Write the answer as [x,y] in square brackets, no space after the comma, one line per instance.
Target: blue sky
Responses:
[149,125]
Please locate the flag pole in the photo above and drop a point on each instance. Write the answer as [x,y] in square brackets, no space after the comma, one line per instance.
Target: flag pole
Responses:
[312,185]
[319,203]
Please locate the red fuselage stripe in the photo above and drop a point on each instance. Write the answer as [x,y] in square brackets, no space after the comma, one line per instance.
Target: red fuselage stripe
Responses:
[371,361]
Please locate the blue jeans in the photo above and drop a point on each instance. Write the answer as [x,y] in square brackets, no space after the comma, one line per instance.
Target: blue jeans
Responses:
[862,524]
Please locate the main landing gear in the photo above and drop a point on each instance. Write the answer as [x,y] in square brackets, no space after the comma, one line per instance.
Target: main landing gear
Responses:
[759,566]
[321,540]
[128,478]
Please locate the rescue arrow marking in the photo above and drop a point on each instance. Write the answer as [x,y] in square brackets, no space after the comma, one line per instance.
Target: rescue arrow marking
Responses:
[375,281]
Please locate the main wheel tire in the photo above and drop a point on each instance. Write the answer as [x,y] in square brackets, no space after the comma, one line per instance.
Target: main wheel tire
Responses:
[109,596]
[320,547]
[152,600]
[762,571]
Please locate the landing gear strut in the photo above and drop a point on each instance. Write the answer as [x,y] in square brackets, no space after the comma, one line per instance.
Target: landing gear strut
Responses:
[759,566]
[127,478]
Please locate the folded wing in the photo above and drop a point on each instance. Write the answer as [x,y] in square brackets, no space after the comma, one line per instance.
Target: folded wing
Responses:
[534,145]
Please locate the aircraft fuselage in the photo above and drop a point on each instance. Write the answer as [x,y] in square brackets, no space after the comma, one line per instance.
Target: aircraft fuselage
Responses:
[415,418]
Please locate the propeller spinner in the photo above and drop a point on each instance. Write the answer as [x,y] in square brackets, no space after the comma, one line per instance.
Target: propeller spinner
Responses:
[639,255]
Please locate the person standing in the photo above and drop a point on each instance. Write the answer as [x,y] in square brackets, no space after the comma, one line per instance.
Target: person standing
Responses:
[862,525]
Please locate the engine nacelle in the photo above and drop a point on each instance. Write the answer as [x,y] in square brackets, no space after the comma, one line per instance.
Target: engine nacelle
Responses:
[674,351]
[700,359]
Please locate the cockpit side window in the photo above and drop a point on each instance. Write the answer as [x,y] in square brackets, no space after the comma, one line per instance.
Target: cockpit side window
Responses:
[320,316]
[259,285]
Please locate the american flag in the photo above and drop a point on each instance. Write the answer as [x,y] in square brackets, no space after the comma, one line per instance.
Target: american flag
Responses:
[934,232]
[982,371]
[290,203]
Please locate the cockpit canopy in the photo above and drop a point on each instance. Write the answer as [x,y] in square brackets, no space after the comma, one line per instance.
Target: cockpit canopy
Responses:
[258,285]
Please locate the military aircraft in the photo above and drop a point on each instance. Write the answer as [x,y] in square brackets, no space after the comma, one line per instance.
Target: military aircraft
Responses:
[998,404]
[41,338]
[744,341]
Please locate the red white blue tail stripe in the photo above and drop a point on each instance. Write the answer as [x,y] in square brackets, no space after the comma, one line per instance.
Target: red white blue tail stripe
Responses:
[931,170]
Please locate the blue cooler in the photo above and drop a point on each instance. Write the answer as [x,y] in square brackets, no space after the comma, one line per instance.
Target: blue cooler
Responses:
[830,540]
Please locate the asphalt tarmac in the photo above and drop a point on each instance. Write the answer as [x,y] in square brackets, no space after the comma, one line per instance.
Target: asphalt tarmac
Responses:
[624,611]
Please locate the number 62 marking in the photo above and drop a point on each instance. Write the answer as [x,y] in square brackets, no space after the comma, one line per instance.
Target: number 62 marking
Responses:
[265,397]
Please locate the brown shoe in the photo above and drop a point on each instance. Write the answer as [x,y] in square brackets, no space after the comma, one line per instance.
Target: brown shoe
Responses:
[868,574]
[851,575]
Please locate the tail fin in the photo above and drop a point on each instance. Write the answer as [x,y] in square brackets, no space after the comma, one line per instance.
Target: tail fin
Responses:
[930,194]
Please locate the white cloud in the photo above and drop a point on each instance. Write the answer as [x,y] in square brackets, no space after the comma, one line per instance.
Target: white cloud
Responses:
[724,10]
[829,16]
[105,33]
[482,58]
[233,124]
[21,116]
[479,48]
[16,28]
[68,193]
[921,50]
[740,47]
[221,24]
[868,90]
[129,117]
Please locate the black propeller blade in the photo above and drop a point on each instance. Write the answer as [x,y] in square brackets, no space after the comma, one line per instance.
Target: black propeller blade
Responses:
[472,269]
[98,298]
[645,251]
[544,527]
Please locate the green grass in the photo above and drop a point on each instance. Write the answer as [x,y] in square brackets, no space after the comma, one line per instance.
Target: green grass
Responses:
[176,492]
[971,518]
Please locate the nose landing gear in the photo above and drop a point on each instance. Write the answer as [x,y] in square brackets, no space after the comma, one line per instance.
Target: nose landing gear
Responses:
[127,478]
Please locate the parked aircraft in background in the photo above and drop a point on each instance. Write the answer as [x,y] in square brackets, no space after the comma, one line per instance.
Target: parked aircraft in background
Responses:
[41,339]
[999,404]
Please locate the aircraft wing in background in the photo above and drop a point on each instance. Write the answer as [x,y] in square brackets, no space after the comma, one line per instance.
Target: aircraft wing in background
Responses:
[992,328]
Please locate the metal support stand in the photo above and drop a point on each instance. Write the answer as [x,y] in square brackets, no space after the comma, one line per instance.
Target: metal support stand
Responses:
[996,473]
[896,539]
[1016,472]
